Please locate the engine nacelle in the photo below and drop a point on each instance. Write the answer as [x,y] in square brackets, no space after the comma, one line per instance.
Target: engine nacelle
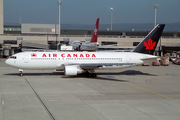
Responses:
[73,70]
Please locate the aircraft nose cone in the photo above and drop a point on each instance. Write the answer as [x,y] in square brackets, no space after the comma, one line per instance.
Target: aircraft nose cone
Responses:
[7,61]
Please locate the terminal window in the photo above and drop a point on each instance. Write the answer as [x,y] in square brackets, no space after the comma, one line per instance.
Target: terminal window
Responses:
[10,42]
[108,43]
[135,43]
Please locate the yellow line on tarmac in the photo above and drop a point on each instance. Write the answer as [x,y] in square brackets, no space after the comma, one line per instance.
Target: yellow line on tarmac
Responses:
[152,92]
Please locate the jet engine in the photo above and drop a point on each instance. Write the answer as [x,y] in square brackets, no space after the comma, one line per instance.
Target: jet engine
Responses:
[73,70]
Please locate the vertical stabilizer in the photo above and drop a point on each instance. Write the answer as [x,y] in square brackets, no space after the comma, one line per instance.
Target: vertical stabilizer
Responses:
[95,33]
[148,45]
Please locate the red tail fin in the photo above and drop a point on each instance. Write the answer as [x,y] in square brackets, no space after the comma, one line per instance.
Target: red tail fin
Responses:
[95,33]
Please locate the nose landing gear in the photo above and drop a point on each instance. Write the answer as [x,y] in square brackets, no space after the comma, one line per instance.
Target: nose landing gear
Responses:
[21,74]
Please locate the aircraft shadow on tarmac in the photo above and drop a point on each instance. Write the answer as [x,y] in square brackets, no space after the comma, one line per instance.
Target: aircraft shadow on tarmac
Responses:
[106,78]
[37,74]
[104,75]
[127,72]
[110,75]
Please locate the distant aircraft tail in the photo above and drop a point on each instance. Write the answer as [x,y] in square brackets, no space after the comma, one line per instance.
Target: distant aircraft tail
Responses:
[148,45]
[95,33]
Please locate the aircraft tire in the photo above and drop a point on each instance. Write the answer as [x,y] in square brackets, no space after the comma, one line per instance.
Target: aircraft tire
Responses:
[21,74]
[91,75]
[94,75]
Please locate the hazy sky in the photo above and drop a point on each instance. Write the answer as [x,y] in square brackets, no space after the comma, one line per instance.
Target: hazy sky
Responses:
[86,11]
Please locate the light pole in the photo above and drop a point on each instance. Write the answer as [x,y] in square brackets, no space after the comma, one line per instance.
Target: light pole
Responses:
[155,14]
[59,2]
[155,17]
[111,10]
[20,18]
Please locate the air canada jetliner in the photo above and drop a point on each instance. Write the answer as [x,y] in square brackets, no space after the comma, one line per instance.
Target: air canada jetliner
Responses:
[73,63]
[92,45]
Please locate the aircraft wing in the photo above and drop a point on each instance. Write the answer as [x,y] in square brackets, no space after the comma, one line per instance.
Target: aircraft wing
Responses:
[95,65]
[87,66]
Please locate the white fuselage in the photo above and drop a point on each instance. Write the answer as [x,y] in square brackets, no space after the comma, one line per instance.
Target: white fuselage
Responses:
[58,60]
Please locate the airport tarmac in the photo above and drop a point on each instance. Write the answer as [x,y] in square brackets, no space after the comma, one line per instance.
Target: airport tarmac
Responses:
[135,93]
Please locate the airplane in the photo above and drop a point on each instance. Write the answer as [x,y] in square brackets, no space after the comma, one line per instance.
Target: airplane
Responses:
[91,45]
[74,63]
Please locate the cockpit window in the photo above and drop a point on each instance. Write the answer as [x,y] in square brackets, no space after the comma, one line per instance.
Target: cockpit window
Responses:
[13,57]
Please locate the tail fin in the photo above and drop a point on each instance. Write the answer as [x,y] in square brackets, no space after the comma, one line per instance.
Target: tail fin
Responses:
[148,45]
[95,33]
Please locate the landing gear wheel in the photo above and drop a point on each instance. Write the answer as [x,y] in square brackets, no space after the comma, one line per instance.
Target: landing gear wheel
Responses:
[94,75]
[88,75]
[91,75]
[21,74]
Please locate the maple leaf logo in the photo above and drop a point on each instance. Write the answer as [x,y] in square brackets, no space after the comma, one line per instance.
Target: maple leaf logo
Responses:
[150,45]
[33,55]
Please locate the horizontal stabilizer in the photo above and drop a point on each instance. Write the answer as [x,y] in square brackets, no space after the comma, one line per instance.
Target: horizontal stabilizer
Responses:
[150,60]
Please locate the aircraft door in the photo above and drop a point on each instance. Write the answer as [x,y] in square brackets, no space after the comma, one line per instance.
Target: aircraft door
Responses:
[128,59]
[26,59]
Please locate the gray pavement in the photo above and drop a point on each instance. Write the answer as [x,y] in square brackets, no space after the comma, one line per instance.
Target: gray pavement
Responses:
[135,93]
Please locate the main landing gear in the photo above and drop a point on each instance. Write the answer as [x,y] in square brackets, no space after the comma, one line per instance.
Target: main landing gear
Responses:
[21,74]
[91,74]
